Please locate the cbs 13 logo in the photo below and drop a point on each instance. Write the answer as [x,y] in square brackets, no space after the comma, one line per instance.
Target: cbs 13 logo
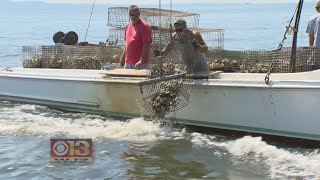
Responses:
[71,150]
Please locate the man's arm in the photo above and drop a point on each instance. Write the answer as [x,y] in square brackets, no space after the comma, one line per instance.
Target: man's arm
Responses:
[166,49]
[146,47]
[199,42]
[311,40]
[122,58]
[147,40]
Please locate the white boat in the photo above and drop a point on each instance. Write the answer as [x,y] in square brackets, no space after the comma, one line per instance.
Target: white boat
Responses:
[287,106]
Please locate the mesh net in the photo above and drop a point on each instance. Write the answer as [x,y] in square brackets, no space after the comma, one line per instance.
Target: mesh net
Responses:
[169,87]
[166,95]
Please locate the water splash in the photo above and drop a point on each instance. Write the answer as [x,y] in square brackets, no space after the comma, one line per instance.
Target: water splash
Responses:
[33,119]
[282,163]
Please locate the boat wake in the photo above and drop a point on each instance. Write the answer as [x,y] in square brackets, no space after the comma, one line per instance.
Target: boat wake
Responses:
[246,153]
[251,152]
[34,119]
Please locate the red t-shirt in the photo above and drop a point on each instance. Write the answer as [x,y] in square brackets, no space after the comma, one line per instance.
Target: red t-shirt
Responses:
[135,36]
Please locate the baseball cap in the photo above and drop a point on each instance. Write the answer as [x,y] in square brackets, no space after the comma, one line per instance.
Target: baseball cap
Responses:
[180,22]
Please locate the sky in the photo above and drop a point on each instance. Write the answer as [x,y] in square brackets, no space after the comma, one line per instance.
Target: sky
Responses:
[168,1]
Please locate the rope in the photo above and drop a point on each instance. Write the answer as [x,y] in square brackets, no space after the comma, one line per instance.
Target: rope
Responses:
[267,77]
[171,29]
[160,34]
[85,37]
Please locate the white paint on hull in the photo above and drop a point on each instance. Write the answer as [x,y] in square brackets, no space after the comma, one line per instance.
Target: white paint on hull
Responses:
[287,107]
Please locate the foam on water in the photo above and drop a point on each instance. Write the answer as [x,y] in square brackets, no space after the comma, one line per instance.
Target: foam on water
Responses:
[245,152]
[33,119]
[281,162]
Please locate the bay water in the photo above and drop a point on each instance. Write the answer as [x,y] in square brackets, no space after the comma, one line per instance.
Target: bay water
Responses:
[127,148]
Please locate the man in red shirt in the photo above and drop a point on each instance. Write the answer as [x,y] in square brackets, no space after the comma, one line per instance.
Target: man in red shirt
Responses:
[138,37]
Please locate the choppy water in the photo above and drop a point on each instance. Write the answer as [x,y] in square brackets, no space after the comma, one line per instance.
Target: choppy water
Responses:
[136,148]
[139,149]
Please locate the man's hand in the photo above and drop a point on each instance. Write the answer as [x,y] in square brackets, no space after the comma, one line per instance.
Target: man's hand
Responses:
[121,61]
[137,65]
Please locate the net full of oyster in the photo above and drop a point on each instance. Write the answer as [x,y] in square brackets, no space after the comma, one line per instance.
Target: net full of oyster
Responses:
[167,98]
[165,69]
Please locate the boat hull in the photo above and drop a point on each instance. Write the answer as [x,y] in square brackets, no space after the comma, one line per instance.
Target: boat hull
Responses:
[285,107]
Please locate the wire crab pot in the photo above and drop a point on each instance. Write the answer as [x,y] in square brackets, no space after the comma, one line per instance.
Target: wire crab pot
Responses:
[214,38]
[259,61]
[166,18]
[70,57]
[119,17]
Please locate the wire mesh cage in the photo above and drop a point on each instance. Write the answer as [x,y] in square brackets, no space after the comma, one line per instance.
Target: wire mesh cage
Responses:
[160,37]
[166,96]
[32,57]
[161,21]
[52,56]
[117,35]
[70,57]
[119,17]
[169,87]
[259,61]
[165,18]
[214,38]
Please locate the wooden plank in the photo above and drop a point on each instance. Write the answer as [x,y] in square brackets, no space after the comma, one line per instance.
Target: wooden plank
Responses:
[127,72]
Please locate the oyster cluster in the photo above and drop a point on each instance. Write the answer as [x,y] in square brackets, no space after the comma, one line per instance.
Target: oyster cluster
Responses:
[224,65]
[156,71]
[227,65]
[166,98]
[171,68]
[164,69]
[53,61]
[74,62]
[254,68]
[34,62]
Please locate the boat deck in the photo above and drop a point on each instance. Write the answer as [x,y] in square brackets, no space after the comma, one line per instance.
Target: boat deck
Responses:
[98,75]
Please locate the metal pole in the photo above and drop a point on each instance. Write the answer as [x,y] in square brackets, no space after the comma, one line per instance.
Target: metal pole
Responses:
[294,40]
